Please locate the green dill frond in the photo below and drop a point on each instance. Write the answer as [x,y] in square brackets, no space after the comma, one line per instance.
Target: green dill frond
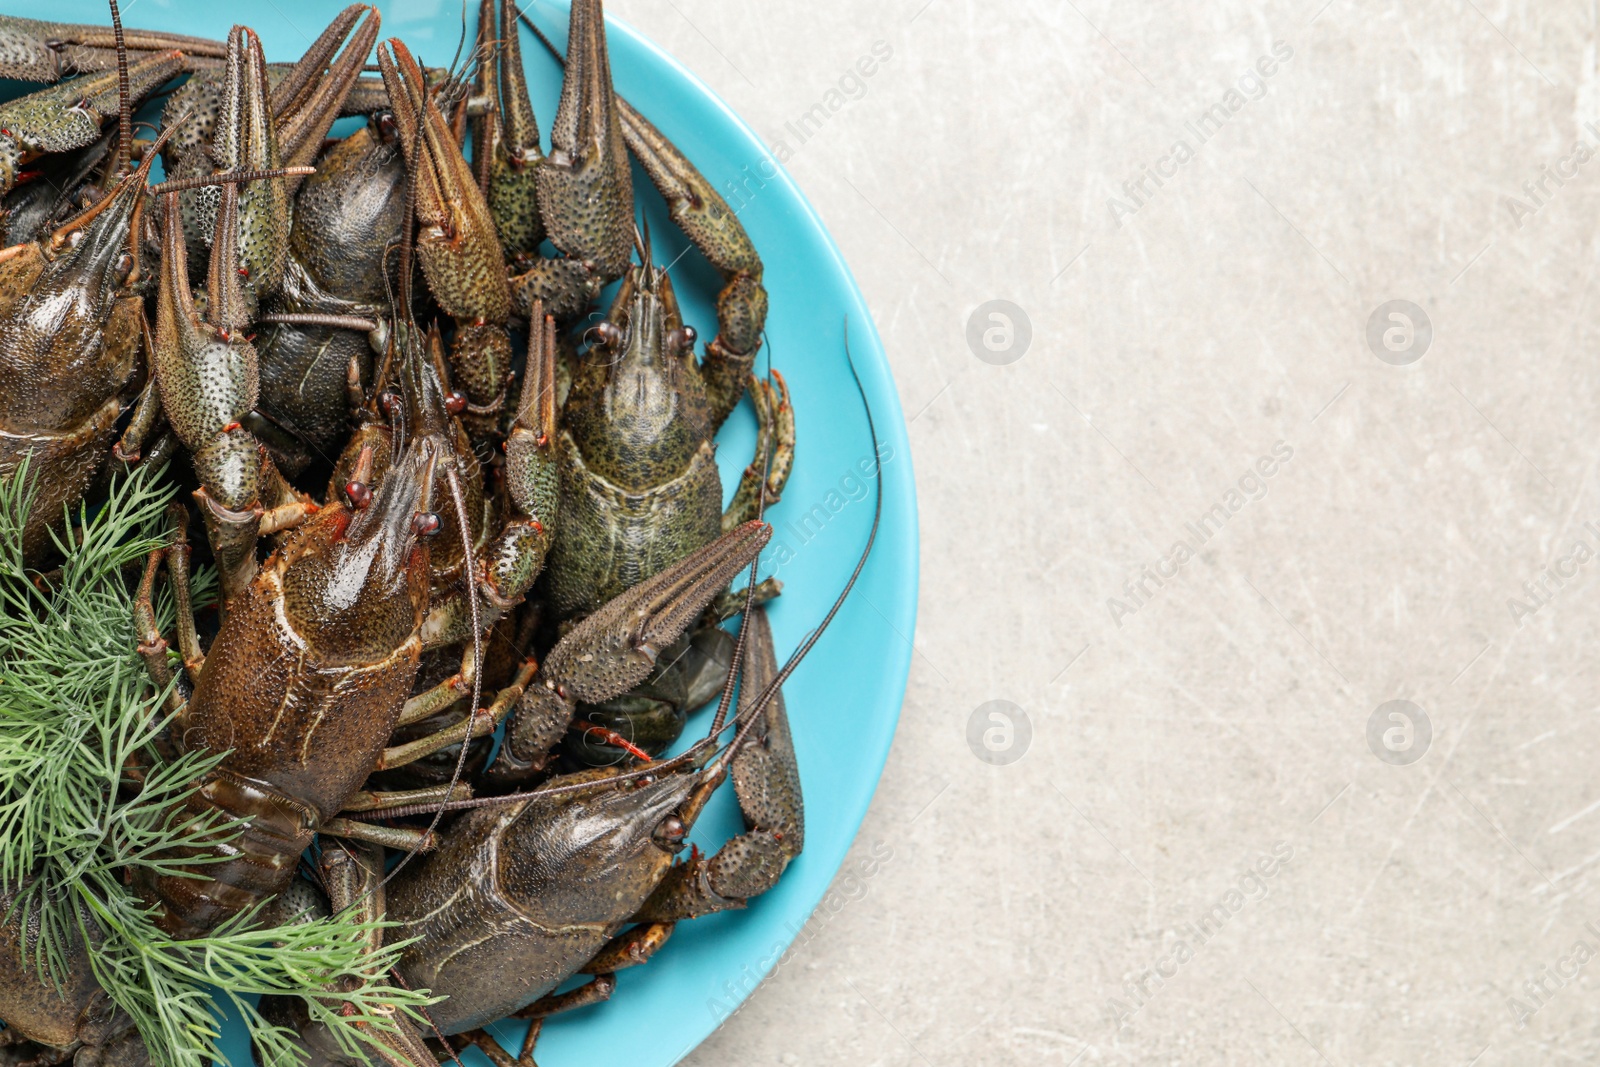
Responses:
[78,718]
[165,983]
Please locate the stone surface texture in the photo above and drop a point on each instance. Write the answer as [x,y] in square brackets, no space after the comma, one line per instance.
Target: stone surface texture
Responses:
[1217,848]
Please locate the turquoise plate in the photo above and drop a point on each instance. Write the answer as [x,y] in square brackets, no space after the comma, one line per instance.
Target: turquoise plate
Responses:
[844,701]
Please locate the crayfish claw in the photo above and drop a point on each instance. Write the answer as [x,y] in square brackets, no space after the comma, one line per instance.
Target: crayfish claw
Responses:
[612,650]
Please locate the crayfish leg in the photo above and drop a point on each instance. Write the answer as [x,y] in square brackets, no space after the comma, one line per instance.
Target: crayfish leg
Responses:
[386,802]
[399,838]
[153,646]
[774,454]
[479,725]
[766,780]
[630,948]
[712,227]
[597,991]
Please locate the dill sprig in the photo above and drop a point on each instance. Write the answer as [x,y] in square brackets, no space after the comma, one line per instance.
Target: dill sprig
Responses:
[86,797]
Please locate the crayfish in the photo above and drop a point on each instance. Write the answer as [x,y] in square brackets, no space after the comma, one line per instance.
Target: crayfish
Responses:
[468,524]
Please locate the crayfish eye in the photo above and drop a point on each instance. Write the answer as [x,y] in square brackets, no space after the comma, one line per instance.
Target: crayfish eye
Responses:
[389,403]
[425,524]
[124,266]
[671,832]
[388,129]
[359,494]
[682,339]
[455,403]
[607,334]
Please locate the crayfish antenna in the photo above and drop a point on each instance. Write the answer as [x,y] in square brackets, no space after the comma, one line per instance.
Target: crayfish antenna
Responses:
[641,241]
[124,98]
[726,700]
[458,501]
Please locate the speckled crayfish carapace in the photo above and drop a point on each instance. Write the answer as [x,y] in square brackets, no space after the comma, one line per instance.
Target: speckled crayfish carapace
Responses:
[70,338]
[640,488]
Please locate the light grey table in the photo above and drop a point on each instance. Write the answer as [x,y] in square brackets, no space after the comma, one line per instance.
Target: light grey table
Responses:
[1222,846]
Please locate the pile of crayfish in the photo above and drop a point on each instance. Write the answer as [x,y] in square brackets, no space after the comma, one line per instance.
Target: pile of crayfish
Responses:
[472,555]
